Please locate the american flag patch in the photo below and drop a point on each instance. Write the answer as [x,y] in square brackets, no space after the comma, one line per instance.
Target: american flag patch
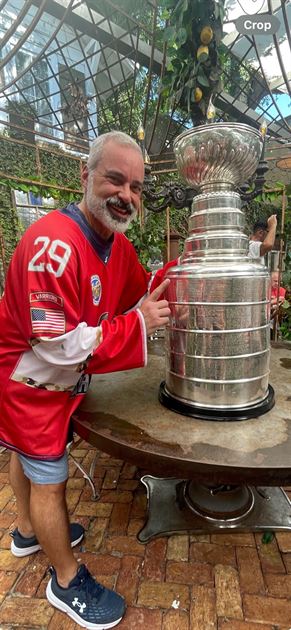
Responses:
[47,320]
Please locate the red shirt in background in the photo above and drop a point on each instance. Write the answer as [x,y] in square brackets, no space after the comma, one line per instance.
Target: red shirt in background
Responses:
[280,290]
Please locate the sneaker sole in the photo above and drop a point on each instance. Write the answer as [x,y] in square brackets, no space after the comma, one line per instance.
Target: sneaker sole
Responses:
[57,603]
[21,552]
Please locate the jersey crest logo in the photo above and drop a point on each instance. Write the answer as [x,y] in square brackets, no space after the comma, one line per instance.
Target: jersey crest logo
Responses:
[96,289]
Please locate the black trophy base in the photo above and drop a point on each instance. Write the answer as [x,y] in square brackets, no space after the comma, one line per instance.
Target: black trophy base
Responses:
[210,413]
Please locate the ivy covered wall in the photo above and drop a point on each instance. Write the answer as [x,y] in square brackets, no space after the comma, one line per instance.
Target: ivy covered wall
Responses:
[9,226]
[48,166]
[45,171]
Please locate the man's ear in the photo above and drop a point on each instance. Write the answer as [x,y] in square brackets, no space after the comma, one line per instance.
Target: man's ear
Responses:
[84,176]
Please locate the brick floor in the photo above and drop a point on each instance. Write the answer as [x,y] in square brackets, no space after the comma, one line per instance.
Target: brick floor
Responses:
[188,582]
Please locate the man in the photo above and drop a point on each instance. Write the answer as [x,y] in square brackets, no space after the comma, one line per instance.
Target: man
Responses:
[263,238]
[72,277]
[277,294]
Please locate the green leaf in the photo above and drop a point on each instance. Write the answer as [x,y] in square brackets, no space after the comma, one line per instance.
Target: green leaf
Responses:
[181,36]
[165,14]
[169,34]
[202,78]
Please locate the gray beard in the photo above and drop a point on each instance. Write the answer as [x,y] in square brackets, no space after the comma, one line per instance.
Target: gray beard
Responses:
[98,208]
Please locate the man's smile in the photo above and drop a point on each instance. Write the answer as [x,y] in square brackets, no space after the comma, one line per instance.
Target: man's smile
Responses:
[118,209]
[118,214]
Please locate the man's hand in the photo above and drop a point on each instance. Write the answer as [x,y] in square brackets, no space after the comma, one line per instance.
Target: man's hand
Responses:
[272,221]
[156,312]
[269,241]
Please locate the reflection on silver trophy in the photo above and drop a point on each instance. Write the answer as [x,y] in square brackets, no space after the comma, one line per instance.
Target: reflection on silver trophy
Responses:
[218,339]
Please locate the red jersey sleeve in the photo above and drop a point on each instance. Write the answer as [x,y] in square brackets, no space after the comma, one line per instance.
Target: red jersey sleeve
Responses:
[43,275]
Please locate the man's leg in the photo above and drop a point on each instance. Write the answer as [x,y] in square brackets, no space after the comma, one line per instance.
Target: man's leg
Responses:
[71,588]
[49,517]
[21,488]
[24,472]
[42,509]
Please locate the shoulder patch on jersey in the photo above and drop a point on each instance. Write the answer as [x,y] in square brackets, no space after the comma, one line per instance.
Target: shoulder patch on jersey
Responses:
[96,289]
[47,320]
[43,296]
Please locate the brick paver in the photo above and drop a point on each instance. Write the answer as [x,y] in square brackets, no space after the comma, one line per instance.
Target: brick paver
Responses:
[182,582]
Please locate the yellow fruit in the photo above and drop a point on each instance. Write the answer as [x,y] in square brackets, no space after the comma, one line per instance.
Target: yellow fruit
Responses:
[202,50]
[198,95]
[206,35]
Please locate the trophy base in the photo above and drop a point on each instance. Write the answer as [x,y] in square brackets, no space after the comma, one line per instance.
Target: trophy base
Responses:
[210,413]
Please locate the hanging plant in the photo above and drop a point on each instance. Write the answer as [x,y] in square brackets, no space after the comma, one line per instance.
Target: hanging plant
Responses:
[193,74]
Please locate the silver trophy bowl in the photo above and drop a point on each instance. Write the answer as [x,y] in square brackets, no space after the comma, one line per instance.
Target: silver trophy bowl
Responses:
[218,155]
[218,337]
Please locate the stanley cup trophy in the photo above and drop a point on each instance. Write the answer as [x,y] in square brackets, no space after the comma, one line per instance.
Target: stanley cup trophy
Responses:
[218,338]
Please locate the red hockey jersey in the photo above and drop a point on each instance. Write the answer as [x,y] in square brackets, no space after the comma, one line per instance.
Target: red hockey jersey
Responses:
[63,318]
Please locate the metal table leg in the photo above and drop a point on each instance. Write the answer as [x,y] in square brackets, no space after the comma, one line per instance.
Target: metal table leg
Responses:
[89,476]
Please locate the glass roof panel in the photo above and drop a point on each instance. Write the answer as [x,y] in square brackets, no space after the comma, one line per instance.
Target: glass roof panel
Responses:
[77,68]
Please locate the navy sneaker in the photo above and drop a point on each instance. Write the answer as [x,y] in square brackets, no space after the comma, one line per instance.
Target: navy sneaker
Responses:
[22,546]
[88,603]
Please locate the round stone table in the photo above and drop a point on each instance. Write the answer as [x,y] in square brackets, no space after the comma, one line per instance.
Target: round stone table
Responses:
[237,465]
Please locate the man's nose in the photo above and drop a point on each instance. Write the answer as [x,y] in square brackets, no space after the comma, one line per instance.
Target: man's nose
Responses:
[125,193]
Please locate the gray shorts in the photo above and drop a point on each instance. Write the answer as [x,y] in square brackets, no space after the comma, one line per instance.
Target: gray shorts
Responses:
[42,471]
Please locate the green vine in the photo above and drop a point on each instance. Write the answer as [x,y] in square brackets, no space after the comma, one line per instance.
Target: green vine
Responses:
[193,74]
[18,160]
[59,169]
[30,169]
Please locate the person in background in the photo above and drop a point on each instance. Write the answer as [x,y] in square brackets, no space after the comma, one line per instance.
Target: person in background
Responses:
[75,304]
[277,293]
[263,238]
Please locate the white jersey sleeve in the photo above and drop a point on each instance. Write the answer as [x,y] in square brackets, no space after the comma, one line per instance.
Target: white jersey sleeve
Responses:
[71,349]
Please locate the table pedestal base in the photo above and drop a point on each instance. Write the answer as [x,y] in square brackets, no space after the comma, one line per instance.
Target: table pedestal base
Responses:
[176,506]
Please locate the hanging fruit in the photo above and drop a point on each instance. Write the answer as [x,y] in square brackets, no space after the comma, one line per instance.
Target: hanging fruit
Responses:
[206,35]
[198,94]
[202,50]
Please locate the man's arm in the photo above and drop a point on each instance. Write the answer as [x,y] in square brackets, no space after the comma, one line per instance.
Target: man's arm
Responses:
[124,339]
[269,241]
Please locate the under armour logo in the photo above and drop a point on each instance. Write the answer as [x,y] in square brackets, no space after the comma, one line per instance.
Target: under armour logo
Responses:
[76,602]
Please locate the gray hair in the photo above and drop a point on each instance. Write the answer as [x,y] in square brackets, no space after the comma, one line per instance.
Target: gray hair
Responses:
[98,144]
